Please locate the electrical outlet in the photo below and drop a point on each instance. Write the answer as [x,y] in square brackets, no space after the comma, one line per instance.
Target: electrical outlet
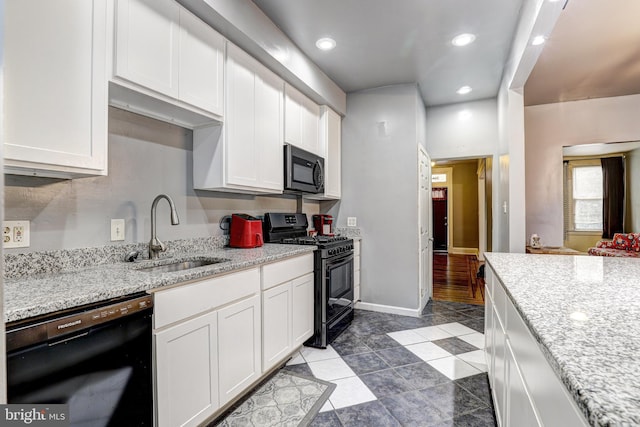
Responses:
[117,230]
[351,221]
[15,234]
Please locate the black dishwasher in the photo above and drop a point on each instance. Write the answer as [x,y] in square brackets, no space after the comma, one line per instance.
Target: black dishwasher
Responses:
[96,359]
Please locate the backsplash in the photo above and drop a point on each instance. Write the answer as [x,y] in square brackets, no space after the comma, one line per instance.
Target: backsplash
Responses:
[146,158]
[47,262]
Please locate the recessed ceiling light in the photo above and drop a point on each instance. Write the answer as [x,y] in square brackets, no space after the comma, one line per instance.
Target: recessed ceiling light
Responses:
[538,40]
[463,39]
[464,90]
[326,43]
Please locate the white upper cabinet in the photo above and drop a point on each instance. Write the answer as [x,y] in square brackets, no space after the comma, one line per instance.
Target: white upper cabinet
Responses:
[168,64]
[247,155]
[302,121]
[331,141]
[55,88]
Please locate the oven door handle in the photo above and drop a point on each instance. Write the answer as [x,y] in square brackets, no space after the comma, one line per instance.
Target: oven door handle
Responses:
[339,262]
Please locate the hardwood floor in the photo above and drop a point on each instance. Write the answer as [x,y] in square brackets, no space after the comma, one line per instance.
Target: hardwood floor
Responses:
[454,279]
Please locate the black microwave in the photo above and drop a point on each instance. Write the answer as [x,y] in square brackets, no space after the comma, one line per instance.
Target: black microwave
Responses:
[303,171]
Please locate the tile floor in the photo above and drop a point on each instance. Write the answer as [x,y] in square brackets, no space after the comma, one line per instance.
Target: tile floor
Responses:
[395,370]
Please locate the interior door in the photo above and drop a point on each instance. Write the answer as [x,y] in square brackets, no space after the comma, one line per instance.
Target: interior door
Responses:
[425,227]
[440,220]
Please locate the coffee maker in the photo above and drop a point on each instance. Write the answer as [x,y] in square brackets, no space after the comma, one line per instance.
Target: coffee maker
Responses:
[323,224]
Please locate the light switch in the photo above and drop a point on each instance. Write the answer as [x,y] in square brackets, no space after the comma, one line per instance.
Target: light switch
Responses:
[351,221]
[117,230]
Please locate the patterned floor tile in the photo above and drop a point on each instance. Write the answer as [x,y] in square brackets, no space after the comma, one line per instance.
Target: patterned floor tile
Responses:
[350,391]
[411,409]
[452,399]
[432,333]
[478,385]
[453,368]
[476,359]
[398,356]
[455,345]
[456,329]
[326,419]
[352,345]
[427,351]
[312,354]
[476,339]
[407,337]
[380,341]
[421,375]
[300,368]
[365,363]
[475,324]
[386,383]
[367,415]
[331,369]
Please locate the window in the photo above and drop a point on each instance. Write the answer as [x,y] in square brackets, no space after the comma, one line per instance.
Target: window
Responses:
[584,201]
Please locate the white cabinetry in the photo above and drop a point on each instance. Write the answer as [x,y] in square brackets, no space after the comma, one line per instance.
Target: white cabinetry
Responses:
[287,307]
[247,155]
[302,121]
[526,391]
[168,64]
[55,88]
[239,347]
[186,371]
[330,139]
[207,345]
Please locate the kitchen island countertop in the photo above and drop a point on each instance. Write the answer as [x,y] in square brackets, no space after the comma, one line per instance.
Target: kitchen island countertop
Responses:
[72,286]
[584,312]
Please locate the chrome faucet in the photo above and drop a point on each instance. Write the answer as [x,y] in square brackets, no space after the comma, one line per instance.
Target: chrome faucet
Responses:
[155,245]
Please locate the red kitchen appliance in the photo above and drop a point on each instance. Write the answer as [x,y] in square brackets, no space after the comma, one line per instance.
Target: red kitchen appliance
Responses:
[323,224]
[245,232]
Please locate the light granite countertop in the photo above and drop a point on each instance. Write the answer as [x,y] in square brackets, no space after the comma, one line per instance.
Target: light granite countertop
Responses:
[585,314]
[60,282]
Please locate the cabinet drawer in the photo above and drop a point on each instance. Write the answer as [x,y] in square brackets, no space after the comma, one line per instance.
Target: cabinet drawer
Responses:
[283,271]
[190,299]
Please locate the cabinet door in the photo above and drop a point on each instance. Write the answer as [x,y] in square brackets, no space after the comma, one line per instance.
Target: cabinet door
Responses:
[276,325]
[186,372]
[332,127]
[293,116]
[302,309]
[499,369]
[520,409]
[239,347]
[55,88]
[311,127]
[269,128]
[147,43]
[201,64]
[241,150]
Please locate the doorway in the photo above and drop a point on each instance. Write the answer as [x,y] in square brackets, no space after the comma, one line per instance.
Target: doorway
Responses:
[440,219]
[461,201]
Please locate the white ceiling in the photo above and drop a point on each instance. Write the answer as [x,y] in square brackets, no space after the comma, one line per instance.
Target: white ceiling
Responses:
[385,42]
[592,52]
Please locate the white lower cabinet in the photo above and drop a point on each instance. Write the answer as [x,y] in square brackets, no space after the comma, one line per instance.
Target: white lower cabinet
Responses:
[526,391]
[239,347]
[207,346]
[287,308]
[186,370]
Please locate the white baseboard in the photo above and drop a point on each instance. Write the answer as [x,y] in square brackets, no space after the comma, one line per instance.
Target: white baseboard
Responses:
[464,251]
[388,309]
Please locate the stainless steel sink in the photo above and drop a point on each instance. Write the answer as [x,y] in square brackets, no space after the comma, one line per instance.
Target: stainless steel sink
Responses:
[181,265]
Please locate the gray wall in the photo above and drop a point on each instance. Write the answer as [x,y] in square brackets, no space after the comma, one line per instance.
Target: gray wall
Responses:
[146,157]
[380,187]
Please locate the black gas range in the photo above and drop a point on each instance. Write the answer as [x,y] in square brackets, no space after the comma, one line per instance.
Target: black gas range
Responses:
[333,273]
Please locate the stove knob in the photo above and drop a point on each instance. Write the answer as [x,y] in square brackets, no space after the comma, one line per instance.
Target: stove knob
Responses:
[332,251]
